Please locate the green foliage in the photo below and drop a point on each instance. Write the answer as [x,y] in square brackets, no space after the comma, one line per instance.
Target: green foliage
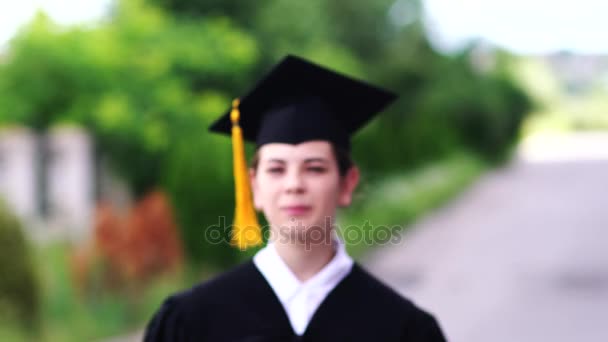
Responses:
[67,316]
[19,287]
[146,86]
[70,317]
[482,111]
[136,83]
[148,82]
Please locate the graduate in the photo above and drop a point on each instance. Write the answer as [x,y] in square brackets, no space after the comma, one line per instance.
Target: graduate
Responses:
[302,286]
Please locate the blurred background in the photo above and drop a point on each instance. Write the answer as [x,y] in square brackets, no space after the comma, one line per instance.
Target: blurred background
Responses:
[492,162]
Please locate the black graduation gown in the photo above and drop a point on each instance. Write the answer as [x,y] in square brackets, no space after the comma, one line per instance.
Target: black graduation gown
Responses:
[240,305]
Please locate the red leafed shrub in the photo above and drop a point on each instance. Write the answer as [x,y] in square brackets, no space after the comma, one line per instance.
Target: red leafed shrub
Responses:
[127,252]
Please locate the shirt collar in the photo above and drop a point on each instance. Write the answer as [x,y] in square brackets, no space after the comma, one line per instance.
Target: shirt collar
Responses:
[286,285]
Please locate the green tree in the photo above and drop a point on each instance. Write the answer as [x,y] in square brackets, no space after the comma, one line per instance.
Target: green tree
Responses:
[149,80]
[146,86]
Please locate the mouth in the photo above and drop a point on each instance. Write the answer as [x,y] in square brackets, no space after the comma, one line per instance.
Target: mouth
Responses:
[296,210]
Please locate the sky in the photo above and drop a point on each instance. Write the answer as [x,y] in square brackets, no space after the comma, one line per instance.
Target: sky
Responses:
[15,13]
[521,26]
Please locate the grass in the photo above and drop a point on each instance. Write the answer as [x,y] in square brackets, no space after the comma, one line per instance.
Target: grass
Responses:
[388,205]
[68,315]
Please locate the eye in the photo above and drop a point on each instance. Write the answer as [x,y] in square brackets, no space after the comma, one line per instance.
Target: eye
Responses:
[275,170]
[316,169]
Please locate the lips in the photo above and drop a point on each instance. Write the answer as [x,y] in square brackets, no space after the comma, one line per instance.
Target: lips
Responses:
[296,210]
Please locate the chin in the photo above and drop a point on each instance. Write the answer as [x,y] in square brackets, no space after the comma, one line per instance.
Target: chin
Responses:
[301,230]
[302,224]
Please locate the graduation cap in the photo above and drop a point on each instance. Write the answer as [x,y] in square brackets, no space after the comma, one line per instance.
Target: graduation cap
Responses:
[296,101]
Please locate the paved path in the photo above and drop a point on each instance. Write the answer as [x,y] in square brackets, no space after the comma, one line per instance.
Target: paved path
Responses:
[522,255]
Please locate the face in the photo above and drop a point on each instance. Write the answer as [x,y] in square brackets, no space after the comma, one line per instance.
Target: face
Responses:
[299,186]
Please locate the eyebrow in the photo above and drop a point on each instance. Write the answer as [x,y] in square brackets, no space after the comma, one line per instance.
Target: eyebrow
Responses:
[307,160]
[312,160]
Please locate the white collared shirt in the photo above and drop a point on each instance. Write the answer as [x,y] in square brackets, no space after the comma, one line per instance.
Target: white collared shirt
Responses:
[301,299]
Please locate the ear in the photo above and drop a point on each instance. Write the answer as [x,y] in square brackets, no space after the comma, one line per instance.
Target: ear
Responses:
[349,184]
[254,189]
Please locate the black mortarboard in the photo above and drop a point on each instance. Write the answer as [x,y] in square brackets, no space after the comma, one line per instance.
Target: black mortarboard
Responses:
[297,101]
[300,101]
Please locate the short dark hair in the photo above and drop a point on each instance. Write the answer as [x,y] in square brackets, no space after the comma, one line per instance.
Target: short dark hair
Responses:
[343,159]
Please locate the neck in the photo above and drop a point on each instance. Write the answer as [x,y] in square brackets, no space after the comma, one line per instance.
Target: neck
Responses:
[306,259]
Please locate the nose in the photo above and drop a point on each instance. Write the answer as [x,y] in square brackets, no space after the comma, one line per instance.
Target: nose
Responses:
[294,183]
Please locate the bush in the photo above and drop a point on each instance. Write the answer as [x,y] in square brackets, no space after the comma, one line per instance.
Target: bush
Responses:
[128,253]
[19,287]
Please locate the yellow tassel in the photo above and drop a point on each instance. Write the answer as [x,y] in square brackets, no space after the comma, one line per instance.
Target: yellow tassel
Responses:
[246,230]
